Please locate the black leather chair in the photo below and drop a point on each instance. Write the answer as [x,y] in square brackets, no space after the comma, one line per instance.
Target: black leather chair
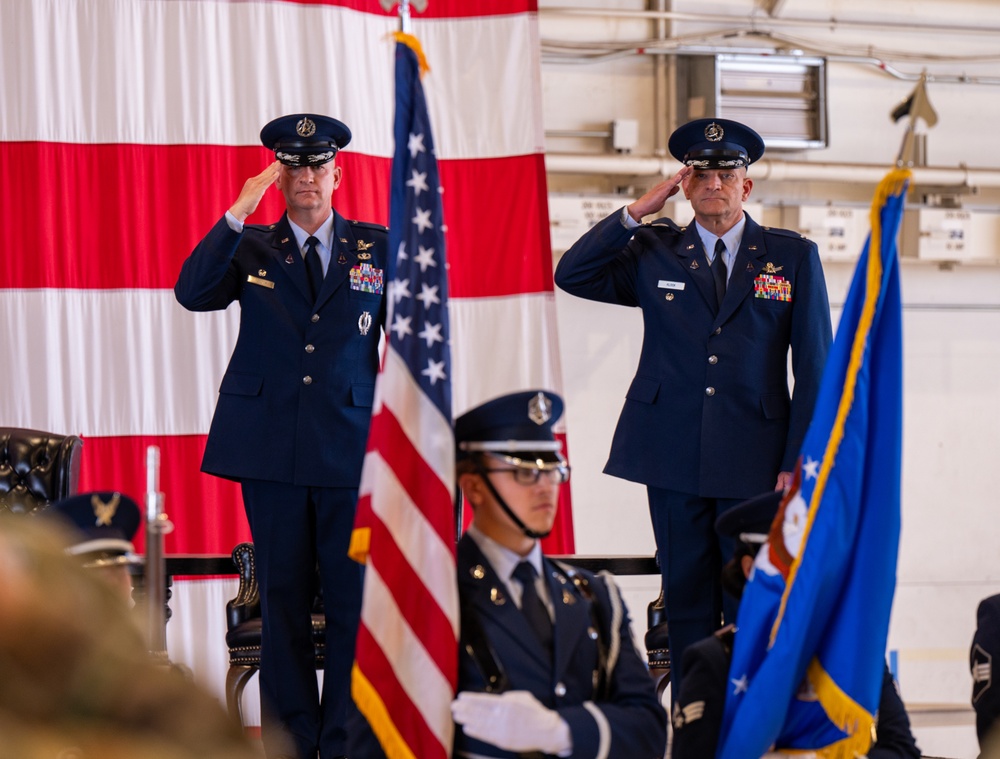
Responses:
[244,630]
[37,468]
[658,643]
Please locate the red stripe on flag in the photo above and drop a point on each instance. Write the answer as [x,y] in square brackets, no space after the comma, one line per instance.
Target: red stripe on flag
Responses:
[145,209]
[441,8]
[157,201]
[206,511]
[502,248]
[418,606]
[421,483]
[406,718]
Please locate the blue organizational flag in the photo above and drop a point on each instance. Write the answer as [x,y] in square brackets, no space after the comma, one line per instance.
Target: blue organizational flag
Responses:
[808,659]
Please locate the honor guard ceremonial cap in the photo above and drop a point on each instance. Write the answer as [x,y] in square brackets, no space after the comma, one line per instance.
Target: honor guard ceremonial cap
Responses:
[305,139]
[751,520]
[715,144]
[105,524]
[518,426]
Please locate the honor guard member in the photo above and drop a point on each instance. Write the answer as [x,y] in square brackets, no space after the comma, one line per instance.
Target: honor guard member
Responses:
[103,525]
[708,420]
[294,407]
[699,704]
[547,662]
[985,693]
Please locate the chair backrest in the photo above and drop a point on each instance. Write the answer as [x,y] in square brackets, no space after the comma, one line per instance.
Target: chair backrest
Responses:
[246,604]
[36,468]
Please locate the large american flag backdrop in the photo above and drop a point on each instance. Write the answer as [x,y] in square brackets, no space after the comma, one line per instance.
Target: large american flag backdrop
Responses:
[127,128]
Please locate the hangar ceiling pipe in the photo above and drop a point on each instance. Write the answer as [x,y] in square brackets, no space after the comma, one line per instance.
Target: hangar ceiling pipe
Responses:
[769,169]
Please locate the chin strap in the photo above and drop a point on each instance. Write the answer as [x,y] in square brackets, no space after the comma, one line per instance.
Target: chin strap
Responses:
[507,510]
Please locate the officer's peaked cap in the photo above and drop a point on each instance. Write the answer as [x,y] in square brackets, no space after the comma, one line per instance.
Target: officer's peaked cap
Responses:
[715,144]
[519,425]
[752,517]
[105,522]
[305,139]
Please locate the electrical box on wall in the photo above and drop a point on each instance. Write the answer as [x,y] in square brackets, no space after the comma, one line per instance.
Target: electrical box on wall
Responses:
[782,97]
[950,234]
[838,231]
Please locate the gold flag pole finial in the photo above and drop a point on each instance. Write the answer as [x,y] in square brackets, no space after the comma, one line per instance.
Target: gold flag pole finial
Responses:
[916,106]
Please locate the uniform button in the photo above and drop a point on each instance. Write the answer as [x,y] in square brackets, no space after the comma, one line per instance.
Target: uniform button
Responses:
[718,330]
[315,318]
[592,633]
[307,380]
[310,348]
[710,391]
[711,359]
[560,690]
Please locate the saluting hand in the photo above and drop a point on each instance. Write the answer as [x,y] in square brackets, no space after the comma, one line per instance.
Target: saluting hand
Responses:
[653,200]
[253,190]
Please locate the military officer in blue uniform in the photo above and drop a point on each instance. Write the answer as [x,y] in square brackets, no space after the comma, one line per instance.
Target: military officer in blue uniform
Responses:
[699,705]
[547,663]
[294,406]
[708,420]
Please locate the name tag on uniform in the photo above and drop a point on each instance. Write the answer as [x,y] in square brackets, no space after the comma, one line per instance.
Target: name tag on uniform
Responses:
[666,284]
[258,281]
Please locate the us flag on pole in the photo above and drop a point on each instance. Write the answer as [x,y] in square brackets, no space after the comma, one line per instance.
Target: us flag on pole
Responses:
[405,670]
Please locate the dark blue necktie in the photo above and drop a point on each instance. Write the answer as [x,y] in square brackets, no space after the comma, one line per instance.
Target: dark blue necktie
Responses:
[719,271]
[532,606]
[314,267]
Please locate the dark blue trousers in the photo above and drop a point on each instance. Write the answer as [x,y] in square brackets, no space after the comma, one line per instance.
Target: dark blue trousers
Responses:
[295,530]
[691,554]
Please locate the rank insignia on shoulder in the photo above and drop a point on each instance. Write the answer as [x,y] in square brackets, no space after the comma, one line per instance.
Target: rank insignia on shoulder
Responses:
[770,268]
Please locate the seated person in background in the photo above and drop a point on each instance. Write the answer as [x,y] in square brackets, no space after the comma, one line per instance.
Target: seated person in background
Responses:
[76,680]
[103,526]
[547,662]
[698,706]
[985,697]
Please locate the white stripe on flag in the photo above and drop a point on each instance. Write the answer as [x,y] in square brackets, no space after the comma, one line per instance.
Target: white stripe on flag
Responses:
[418,674]
[414,536]
[112,362]
[123,82]
[522,327]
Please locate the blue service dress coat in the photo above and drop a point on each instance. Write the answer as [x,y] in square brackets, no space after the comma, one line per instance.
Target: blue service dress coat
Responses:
[698,708]
[709,411]
[624,720]
[295,402]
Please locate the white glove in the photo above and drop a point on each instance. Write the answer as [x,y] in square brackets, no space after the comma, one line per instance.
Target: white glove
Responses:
[515,721]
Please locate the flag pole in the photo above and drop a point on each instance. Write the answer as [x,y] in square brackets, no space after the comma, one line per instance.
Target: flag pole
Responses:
[916,106]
